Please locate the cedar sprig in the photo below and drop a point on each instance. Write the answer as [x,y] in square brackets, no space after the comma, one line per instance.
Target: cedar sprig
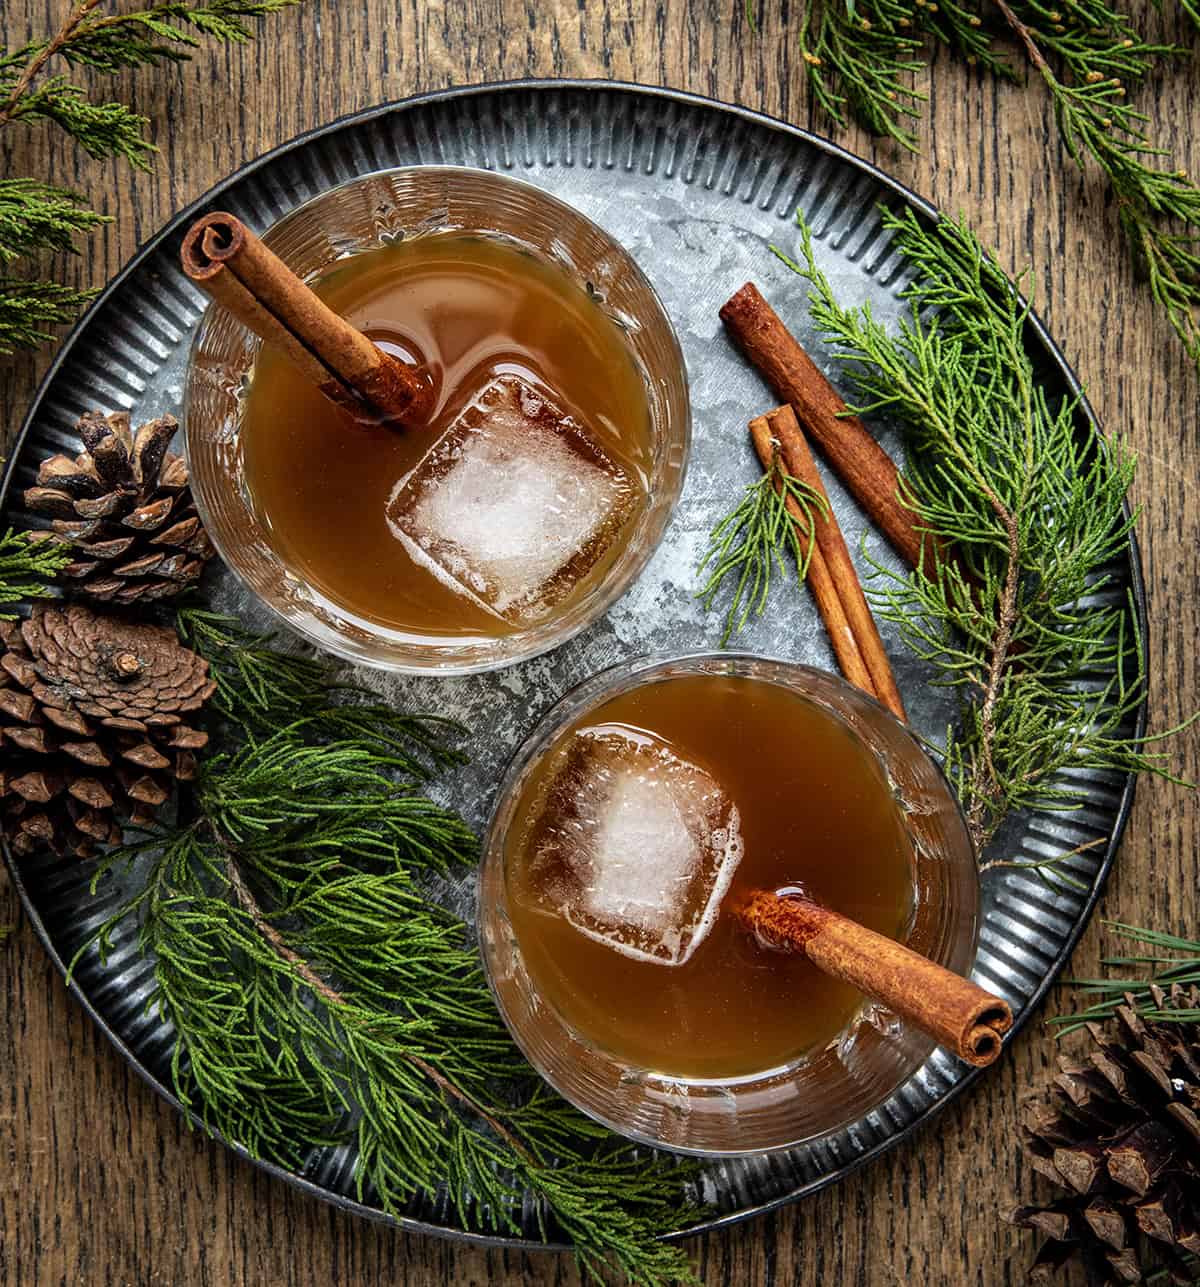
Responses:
[753,539]
[260,686]
[318,995]
[28,565]
[860,60]
[1022,623]
[860,57]
[35,216]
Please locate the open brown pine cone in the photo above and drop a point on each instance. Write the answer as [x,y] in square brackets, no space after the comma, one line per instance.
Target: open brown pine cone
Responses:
[1118,1135]
[125,504]
[92,726]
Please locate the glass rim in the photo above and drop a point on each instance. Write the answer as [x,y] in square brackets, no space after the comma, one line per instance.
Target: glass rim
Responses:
[576,703]
[541,637]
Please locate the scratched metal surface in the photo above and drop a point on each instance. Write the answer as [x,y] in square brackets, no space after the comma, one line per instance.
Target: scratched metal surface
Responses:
[698,193]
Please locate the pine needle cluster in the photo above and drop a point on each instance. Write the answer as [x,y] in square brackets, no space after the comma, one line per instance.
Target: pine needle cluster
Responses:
[860,57]
[1024,622]
[1169,961]
[751,542]
[36,216]
[319,996]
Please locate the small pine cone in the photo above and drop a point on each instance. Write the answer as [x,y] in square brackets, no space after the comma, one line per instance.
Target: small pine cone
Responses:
[91,725]
[1118,1134]
[126,506]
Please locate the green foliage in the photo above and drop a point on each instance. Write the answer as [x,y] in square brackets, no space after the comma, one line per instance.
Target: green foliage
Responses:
[28,563]
[160,33]
[860,61]
[751,540]
[101,129]
[28,307]
[35,216]
[1173,961]
[860,56]
[1020,621]
[318,994]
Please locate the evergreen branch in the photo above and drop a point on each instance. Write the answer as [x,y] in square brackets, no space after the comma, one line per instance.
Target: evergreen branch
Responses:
[318,996]
[860,59]
[752,538]
[1048,669]
[262,689]
[28,566]
[861,56]
[1174,962]
[153,35]
[36,216]
[27,308]
[101,129]
[35,57]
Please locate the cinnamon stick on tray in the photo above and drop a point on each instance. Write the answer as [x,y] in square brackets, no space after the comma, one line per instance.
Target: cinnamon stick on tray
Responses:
[221,255]
[832,544]
[957,1013]
[860,462]
[820,579]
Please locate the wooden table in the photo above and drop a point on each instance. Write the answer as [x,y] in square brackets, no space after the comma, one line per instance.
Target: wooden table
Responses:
[101,1184]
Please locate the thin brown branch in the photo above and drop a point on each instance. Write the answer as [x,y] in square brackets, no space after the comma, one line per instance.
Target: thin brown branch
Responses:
[1049,862]
[984,777]
[1025,36]
[39,60]
[337,1002]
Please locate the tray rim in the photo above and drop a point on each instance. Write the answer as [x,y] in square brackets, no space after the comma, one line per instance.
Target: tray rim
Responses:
[753,117]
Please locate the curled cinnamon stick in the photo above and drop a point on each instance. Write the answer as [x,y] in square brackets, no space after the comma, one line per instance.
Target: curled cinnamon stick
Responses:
[221,255]
[860,462]
[832,544]
[957,1013]
[820,580]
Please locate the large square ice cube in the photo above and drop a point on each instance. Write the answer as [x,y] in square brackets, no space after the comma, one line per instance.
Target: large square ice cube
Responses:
[513,504]
[637,846]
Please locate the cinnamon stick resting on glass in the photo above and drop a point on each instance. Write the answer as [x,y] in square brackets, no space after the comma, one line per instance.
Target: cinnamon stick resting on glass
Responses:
[221,255]
[957,1013]
[847,444]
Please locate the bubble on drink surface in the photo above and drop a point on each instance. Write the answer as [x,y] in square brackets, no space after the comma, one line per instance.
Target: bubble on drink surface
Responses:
[514,504]
[636,846]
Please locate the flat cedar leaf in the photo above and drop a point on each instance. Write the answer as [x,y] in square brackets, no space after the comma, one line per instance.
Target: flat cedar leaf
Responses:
[28,566]
[27,308]
[37,216]
[1032,502]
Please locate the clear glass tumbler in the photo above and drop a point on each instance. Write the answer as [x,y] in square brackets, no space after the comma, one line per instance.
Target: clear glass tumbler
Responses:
[361,215]
[820,1092]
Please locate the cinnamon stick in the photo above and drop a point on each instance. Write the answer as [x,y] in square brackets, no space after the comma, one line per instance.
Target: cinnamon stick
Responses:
[832,544]
[957,1013]
[221,255]
[820,580]
[860,462]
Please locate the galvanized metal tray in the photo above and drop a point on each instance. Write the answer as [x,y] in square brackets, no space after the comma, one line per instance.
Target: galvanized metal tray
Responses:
[697,191]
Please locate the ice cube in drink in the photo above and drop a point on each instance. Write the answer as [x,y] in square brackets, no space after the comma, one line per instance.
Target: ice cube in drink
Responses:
[513,504]
[637,846]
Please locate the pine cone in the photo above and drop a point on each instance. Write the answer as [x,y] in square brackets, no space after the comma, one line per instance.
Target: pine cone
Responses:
[1120,1134]
[126,505]
[91,724]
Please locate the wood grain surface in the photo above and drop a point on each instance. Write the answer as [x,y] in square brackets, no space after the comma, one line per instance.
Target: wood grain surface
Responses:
[101,1184]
